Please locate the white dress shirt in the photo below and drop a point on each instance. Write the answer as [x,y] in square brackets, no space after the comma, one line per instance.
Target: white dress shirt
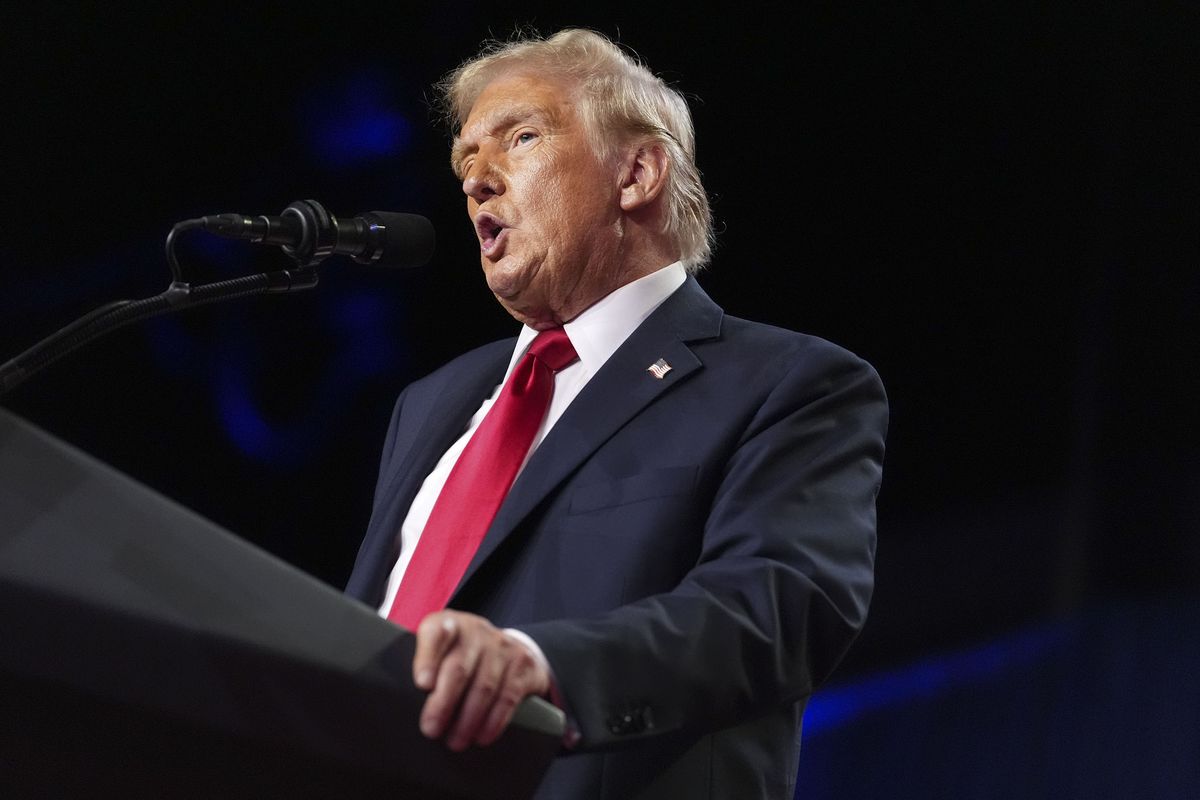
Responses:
[596,335]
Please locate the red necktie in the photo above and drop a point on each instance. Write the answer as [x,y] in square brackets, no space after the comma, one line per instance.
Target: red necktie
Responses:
[480,480]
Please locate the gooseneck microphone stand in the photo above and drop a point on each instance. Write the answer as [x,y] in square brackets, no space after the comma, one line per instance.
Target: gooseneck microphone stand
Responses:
[313,223]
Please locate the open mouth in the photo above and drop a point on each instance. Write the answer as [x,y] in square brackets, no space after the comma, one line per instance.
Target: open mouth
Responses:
[489,229]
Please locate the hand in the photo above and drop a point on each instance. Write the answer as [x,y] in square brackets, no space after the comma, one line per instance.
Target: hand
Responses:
[476,676]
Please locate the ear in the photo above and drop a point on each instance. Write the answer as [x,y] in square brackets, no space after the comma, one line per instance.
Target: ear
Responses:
[644,175]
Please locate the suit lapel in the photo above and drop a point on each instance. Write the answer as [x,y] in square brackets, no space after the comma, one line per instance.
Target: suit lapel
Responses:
[440,413]
[446,412]
[621,389]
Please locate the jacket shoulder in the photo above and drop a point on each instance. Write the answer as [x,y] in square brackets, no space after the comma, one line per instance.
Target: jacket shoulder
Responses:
[783,349]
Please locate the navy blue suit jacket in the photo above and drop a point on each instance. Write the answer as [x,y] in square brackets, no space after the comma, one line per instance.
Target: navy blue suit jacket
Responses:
[693,554]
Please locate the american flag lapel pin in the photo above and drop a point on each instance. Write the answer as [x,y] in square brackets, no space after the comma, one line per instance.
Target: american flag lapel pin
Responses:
[659,369]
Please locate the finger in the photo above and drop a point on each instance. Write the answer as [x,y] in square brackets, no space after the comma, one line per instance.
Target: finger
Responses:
[486,684]
[500,714]
[436,634]
[454,675]
[523,677]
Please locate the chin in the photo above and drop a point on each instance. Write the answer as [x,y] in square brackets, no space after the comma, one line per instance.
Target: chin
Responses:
[538,319]
[505,280]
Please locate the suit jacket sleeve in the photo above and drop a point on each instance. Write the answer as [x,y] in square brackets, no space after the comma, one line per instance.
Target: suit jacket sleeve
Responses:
[781,585]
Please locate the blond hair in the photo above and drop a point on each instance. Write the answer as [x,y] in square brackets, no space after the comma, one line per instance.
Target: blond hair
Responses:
[619,100]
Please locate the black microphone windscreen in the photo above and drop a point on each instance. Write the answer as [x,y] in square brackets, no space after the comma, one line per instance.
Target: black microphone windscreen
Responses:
[408,240]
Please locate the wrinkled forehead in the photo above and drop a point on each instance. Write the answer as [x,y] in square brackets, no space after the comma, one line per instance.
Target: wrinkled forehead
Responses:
[533,76]
[520,93]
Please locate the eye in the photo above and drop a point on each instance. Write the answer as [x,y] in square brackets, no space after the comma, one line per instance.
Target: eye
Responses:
[525,137]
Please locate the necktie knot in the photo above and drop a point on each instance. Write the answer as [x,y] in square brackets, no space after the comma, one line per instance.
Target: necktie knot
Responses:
[553,348]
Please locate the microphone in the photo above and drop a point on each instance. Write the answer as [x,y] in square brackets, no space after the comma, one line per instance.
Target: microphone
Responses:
[309,234]
[306,231]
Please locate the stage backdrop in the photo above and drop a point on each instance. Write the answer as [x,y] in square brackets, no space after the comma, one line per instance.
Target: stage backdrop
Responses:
[995,206]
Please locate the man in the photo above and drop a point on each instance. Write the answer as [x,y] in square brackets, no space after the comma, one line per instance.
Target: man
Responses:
[686,550]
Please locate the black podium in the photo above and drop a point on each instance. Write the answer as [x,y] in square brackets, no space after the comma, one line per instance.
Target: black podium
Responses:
[145,652]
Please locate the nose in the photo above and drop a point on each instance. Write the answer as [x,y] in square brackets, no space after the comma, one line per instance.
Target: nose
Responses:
[482,181]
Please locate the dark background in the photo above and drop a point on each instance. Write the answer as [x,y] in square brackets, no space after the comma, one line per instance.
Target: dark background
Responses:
[995,205]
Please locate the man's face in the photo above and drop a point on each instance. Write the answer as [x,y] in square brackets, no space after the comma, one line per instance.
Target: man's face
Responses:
[545,209]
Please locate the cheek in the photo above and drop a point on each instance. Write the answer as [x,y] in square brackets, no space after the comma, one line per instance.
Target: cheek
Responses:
[562,220]
[552,208]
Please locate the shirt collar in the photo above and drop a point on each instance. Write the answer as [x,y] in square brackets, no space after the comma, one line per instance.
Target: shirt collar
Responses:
[606,324]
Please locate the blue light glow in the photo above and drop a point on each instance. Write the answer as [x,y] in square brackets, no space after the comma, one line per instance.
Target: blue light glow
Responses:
[361,343]
[355,123]
[361,322]
[838,705]
[247,428]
